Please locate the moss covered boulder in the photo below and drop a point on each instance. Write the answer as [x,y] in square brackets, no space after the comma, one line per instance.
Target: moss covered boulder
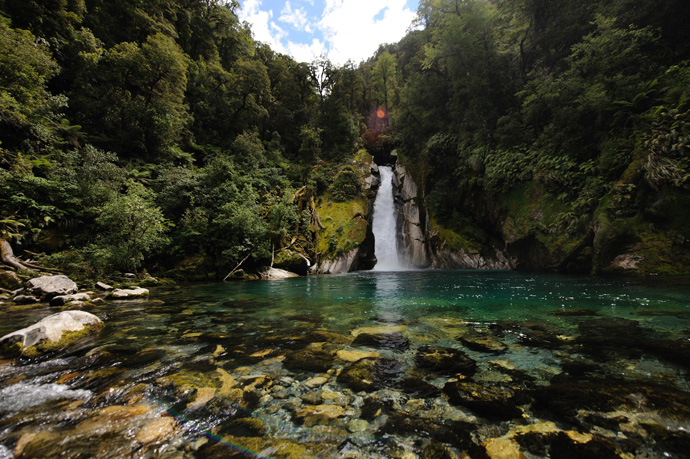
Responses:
[52,333]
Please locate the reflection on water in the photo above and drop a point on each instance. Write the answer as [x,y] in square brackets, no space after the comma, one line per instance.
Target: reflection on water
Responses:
[372,364]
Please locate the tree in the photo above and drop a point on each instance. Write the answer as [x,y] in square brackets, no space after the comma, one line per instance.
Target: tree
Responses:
[132,227]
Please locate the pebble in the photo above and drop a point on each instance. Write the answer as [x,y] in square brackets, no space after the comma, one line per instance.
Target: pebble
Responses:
[315,382]
[357,425]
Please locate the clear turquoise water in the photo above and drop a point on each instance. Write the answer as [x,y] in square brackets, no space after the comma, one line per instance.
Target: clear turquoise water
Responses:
[623,340]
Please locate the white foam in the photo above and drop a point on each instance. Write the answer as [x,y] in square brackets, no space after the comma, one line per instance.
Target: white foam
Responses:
[25,395]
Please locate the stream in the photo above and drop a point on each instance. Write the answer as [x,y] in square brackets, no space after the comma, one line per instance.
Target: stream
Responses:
[406,364]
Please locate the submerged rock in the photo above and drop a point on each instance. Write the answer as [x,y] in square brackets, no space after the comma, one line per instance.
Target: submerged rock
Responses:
[444,360]
[309,360]
[157,430]
[51,333]
[50,286]
[353,356]
[483,343]
[393,341]
[370,374]
[319,414]
[486,401]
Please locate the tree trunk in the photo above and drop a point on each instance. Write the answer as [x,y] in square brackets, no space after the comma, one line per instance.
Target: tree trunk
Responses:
[8,258]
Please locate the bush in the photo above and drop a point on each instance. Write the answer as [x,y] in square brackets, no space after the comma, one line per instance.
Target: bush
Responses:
[346,185]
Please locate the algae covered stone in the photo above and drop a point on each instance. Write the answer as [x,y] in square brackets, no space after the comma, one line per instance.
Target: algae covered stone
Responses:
[50,334]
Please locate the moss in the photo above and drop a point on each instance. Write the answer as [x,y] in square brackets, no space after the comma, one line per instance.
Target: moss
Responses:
[67,338]
[442,236]
[344,225]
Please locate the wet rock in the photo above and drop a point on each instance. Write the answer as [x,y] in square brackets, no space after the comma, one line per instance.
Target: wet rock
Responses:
[245,427]
[25,299]
[486,401]
[52,333]
[131,293]
[311,398]
[379,329]
[315,382]
[50,286]
[370,374]
[444,360]
[392,341]
[336,398]
[279,448]
[538,335]
[563,446]
[309,360]
[357,425]
[319,336]
[483,343]
[319,414]
[61,300]
[374,407]
[416,387]
[111,418]
[675,442]
[403,424]
[565,399]
[353,356]
[158,430]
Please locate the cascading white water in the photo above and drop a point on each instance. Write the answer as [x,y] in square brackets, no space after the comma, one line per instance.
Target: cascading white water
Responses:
[384,227]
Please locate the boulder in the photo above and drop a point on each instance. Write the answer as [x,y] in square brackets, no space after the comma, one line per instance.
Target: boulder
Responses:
[129,293]
[9,280]
[25,299]
[275,273]
[50,286]
[103,286]
[51,333]
[61,300]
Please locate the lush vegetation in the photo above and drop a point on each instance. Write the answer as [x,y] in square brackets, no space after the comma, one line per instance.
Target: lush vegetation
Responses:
[158,134]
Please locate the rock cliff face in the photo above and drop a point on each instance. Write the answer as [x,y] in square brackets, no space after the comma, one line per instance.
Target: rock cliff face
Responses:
[412,224]
[422,247]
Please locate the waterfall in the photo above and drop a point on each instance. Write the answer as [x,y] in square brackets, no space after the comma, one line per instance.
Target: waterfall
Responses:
[384,225]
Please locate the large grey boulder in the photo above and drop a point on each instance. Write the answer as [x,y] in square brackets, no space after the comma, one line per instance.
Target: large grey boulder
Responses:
[50,334]
[50,286]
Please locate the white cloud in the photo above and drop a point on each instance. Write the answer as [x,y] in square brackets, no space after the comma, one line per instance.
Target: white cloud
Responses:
[352,32]
[303,52]
[351,29]
[263,28]
[297,18]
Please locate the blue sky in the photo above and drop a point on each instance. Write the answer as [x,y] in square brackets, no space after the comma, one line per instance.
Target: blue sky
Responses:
[341,30]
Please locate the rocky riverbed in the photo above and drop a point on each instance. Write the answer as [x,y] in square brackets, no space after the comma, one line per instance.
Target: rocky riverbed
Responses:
[229,372]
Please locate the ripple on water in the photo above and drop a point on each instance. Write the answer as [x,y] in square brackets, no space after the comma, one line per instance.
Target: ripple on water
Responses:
[25,395]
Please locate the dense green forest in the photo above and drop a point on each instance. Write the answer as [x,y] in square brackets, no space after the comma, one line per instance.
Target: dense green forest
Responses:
[158,135]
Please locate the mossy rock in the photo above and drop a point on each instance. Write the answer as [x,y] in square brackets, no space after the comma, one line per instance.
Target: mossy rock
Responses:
[54,333]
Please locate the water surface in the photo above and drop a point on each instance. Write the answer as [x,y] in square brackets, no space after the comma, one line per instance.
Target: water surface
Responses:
[485,364]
